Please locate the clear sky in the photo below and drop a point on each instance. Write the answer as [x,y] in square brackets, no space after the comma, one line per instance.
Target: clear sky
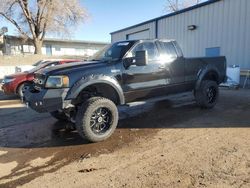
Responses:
[110,15]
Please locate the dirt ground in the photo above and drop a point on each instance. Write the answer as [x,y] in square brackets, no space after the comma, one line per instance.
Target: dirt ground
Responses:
[168,143]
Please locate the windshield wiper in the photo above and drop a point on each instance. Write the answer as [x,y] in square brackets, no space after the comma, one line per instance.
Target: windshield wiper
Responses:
[104,59]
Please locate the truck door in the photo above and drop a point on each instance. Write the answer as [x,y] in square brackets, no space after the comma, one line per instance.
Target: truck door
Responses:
[144,81]
[173,62]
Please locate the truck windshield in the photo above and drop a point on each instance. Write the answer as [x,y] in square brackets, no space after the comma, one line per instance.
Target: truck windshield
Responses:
[38,63]
[41,66]
[113,52]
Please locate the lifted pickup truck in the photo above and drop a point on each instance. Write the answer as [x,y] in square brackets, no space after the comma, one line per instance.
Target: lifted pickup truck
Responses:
[88,93]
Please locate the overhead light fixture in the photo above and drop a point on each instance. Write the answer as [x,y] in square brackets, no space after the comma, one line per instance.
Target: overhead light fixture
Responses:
[192,27]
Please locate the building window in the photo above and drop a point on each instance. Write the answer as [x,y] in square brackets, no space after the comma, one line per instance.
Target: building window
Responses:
[57,48]
[213,52]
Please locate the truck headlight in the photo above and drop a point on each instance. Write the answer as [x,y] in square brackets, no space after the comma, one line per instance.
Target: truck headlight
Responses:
[57,82]
[8,80]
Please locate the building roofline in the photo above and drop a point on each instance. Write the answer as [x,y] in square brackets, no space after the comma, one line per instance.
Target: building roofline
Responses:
[74,41]
[169,15]
[63,40]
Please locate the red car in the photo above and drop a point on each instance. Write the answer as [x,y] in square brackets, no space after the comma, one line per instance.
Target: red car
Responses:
[16,83]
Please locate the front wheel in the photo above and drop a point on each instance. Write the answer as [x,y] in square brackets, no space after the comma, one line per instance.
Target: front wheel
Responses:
[22,88]
[207,95]
[97,119]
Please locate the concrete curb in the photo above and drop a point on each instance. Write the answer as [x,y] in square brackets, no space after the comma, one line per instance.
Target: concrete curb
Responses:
[19,105]
[9,102]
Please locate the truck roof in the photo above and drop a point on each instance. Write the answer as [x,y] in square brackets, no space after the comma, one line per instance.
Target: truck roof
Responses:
[148,40]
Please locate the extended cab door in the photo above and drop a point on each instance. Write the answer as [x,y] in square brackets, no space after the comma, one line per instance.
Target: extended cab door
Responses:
[144,81]
[173,61]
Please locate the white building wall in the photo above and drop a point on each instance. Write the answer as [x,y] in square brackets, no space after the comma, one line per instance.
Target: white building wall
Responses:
[15,46]
[224,24]
[123,35]
[71,49]
[44,50]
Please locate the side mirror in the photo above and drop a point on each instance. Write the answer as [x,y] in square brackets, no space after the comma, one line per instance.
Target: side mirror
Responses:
[141,58]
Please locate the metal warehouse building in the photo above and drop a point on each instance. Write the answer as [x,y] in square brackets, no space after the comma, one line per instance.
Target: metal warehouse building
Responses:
[213,28]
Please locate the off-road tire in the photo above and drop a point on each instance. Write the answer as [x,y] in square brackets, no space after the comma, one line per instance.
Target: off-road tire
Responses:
[87,116]
[59,116]
[207,94]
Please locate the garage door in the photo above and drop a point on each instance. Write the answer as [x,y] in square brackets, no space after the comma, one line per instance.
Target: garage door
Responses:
[139,35]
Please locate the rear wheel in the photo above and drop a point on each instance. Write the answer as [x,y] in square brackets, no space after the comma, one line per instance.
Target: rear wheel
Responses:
[97,119]
[207,95]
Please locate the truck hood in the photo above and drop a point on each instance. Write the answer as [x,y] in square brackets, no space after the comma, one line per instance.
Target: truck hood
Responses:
[65,68]
[17,75]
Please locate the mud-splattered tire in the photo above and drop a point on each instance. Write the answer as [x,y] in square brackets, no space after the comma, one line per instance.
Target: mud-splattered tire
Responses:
[97,119]
[59,116]
[207,95]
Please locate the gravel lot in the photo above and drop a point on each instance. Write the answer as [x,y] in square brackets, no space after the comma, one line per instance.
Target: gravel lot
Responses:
[169,143]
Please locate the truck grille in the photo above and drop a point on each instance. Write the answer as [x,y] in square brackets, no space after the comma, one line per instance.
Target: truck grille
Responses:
[39,81]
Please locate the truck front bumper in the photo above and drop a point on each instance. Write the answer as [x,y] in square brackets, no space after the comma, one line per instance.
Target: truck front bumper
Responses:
[8,88]
[47,100]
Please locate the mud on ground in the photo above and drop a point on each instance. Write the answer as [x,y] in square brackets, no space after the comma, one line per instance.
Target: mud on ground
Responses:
[169,143]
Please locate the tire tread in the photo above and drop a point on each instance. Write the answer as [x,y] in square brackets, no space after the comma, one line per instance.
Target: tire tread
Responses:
[82,116]
[200,94]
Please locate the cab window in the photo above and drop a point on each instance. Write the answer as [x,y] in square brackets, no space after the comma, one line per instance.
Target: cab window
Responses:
[150,47]
[169,49]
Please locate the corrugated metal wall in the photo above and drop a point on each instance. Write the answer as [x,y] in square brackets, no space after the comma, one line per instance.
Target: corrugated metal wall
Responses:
[122,35]
[224,24]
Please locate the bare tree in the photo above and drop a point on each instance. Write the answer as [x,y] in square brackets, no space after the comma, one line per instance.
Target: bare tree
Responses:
[176,5]
[35,18]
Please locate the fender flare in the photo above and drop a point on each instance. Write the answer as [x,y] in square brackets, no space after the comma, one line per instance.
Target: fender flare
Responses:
[95,79]
[19,84]
[202,73]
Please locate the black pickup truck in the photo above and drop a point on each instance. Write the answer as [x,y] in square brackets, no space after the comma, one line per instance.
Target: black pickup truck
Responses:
[88,93]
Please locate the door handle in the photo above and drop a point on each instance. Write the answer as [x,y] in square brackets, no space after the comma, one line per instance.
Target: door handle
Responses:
[162,67]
